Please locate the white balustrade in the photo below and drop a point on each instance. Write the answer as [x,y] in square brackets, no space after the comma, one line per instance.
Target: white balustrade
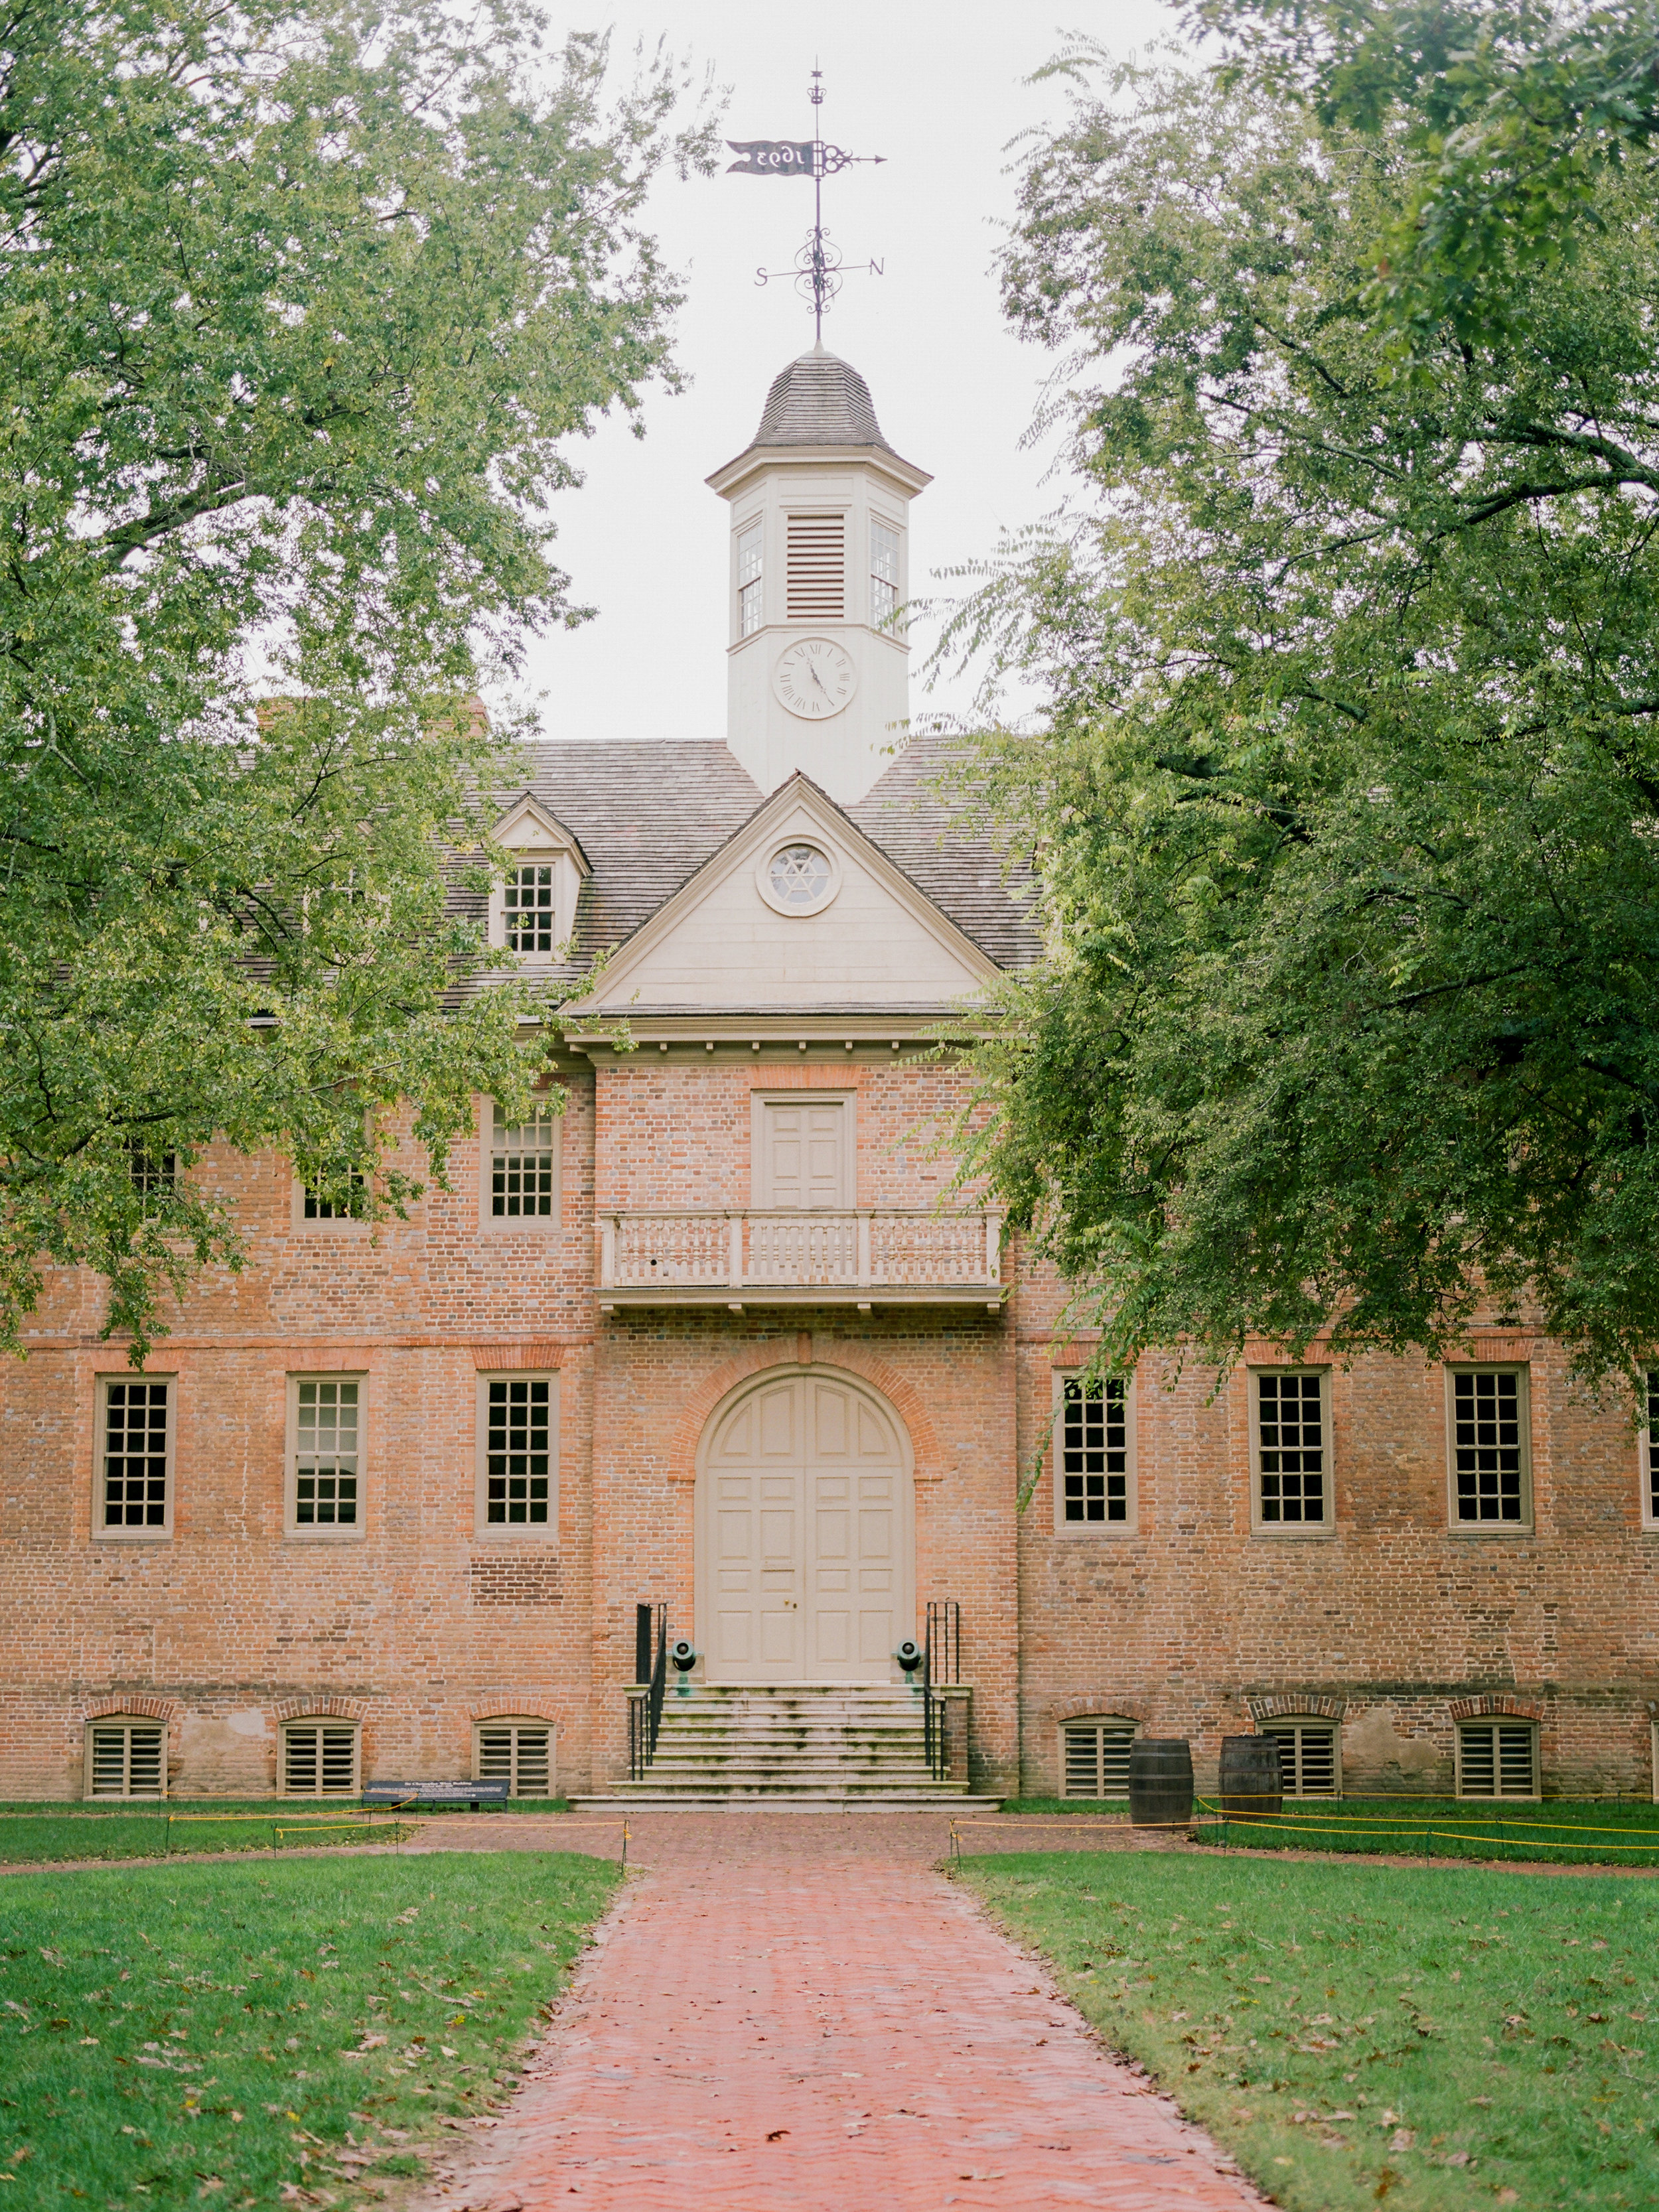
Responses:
[744,1249]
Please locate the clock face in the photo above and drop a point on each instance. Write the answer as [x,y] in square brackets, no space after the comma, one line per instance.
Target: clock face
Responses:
[815,678]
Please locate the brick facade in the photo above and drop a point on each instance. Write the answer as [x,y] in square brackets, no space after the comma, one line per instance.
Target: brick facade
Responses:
[417,1626]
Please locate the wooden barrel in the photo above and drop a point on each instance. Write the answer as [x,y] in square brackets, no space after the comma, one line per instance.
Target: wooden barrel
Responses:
[1160,1782]
[1251,1780]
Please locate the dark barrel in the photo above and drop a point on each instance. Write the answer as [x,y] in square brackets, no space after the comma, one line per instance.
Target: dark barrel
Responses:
[1160,1782]
[1251,1781]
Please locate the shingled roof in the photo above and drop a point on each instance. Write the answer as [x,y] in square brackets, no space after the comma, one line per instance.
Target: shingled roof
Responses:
[913,816]
[819,400]
[648,816]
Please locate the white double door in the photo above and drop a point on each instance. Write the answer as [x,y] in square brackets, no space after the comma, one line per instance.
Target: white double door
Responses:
[806,1540]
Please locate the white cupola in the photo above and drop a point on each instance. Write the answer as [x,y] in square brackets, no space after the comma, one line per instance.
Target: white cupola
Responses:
[818,672]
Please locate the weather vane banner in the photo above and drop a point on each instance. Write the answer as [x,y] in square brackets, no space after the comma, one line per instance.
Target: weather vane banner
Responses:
[773,157]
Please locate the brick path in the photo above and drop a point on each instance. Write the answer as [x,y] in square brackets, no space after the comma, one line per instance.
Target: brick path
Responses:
[798,2014]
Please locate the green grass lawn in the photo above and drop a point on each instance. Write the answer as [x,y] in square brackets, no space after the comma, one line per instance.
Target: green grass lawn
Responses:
[173,2035]
[49,1832]
[1598,1831]
[1362,2034]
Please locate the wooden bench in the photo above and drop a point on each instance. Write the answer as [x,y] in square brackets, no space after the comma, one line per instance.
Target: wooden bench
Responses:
[473,1795]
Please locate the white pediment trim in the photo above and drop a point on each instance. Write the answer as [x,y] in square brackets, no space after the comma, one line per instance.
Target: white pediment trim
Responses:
[797,809]
[527,827]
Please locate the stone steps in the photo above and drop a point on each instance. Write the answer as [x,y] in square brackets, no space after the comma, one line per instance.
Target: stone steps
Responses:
[799,1743]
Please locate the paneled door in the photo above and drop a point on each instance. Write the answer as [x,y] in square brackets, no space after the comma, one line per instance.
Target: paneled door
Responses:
[804,1160]
[806,1538]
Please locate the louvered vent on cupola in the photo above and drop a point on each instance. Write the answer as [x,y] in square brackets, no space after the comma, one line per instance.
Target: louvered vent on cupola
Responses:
[816,576]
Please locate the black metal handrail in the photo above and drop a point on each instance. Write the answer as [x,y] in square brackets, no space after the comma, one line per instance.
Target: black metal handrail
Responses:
[941,1661]
[651,1671]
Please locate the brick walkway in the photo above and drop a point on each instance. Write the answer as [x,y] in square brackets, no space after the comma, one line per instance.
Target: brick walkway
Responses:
[798,2014]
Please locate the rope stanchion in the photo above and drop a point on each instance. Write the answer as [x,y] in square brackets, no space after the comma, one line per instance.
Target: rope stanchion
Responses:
[1550,1835]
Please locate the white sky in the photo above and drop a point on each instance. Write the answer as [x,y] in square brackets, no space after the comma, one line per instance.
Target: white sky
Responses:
[938,86]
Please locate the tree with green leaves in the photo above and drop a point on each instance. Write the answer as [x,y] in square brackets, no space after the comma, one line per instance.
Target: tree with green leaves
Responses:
[1345,789]
[301,309]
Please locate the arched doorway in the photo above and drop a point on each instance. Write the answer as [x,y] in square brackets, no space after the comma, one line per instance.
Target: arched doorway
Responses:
[806,1532]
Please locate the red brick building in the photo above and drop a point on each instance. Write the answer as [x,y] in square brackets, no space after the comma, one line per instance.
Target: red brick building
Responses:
[718,1336]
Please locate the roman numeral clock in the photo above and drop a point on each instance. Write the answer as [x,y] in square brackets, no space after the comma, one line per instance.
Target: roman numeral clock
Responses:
[814,677]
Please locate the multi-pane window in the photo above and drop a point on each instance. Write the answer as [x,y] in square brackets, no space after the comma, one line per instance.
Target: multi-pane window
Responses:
[327,1467]
[1307,1756]
[1650,1450]
[751,609]
[1096,1755]
[343,1202]
[126,1759]
[883,573]
[518,1753]
[137,1434]
[524,1168]
[1488,1442]
[319,1759]
[1291,1447]
[151,1172]
[529,907]
[517,1454]
[1497,1759]
[1094,1454]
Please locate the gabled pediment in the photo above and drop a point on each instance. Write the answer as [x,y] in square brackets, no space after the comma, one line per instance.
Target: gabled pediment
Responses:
[527,827]
[798,910]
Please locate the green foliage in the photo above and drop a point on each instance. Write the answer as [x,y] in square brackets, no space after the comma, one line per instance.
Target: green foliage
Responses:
[300,311]
[1347,785]
[1353,2035]
[1510,115]
[170,2029]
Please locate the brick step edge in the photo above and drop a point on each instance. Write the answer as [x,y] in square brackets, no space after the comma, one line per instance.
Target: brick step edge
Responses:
[778,1802]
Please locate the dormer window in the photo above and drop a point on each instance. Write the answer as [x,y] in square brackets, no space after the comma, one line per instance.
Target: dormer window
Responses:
[752,611]
[532,912]
[529,913]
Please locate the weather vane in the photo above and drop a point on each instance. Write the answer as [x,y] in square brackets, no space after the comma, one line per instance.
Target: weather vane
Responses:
[818,267]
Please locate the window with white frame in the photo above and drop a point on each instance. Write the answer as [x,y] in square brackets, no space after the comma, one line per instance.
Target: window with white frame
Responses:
[518,1753]
[1094,1757]
[530,907]
[752,580]
[135,1457]
[1094,1477]
[517,1454]
[324,1491]
[1308,1756]
[522,1182]
[343,1200]
[1491,1473]
[1497,1759]
[127,1757]
[1649,1452]
[883,573]
[319,1759]
[1292,1465]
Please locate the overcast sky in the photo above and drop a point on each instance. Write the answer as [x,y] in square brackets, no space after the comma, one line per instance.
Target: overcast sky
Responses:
[936,86]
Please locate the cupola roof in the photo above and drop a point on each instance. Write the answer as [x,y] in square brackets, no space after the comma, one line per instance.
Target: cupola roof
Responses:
[819,400]
[818,406]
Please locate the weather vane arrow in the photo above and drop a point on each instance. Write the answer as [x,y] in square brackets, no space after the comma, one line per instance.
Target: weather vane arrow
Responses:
[818,267]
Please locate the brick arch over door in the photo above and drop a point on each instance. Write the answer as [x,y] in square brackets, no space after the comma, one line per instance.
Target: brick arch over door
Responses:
[922,1439]
[804,1516]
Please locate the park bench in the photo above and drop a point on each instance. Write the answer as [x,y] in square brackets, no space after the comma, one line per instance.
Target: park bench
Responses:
[473,1795]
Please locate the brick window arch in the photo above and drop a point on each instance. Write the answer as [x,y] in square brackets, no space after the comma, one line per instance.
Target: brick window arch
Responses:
[515,1748]
[1094,1756]
[126,1756]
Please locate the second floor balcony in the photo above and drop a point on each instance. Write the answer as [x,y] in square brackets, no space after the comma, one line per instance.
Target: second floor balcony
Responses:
[741,1256]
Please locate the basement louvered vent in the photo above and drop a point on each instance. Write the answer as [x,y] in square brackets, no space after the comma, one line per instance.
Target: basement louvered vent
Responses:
[816,586]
